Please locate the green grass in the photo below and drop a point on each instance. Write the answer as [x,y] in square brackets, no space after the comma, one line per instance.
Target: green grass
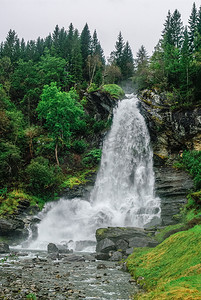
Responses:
[172,270]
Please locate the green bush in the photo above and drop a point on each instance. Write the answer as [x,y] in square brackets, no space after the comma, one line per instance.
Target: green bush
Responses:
[42,176]
[79,146]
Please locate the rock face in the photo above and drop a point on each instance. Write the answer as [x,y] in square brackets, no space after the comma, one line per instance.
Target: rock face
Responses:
[119,241]
[170,132]
[171,186]
[13,228]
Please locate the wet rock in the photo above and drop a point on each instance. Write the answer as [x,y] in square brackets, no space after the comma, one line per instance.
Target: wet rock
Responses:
[171,186]
[101,266]
[105,245]
[4,248]
[52,248]
[124,238]
[102,256]
[73,257]
[142,242]
[122,245]
[116,256]
[129,251]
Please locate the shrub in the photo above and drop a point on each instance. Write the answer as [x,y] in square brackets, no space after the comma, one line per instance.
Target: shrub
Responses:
[42,177]
[79,146]
[92,158]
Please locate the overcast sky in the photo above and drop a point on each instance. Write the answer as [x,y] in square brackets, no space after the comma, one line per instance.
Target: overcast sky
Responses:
[140,21]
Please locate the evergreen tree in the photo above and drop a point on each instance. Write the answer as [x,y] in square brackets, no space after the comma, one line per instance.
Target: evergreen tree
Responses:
[76,59]
[11,46]
[199,22]
[167,31]
[185,65]
[127,62]
[193,22]
[141,73]
[177,29]
[85,49]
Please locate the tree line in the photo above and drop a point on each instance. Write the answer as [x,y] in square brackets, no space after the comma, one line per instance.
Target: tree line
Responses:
[175,65]
[45,130]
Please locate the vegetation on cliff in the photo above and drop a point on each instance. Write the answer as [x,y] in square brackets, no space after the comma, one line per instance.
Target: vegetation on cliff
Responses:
[175,64]
[48,130]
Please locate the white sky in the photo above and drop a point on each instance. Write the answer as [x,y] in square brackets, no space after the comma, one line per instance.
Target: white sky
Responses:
[140,21]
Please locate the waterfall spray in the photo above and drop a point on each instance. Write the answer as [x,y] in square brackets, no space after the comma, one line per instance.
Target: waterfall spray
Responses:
[123,194]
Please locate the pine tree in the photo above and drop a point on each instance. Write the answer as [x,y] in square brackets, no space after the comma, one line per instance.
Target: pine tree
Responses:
[141,63]
[176,29]
[185,65]
[199,22]
[85,49]
[193,22]
[167,31]
[127,62]
[76,59]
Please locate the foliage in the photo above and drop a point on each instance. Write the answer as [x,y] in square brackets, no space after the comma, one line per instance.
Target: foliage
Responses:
[9,201]
[192,163]
[92,158]
[114,90]
[31,296]
[62,114]
[171,270]
[41,176]
[79,146]
[77,178]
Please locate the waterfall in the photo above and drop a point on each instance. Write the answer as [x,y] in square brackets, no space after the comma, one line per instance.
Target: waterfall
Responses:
[123,194]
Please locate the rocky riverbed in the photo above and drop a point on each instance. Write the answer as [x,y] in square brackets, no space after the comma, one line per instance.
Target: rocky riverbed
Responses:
[37,275]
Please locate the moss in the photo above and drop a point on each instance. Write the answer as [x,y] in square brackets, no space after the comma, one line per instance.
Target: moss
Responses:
[114,90]
[77,178]
[172,270]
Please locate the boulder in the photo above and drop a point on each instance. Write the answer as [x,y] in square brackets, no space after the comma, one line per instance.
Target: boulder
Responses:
[105,246]
[124,239]
[102,256]
[52,248]
[116,256]
[4,248]
[136,242]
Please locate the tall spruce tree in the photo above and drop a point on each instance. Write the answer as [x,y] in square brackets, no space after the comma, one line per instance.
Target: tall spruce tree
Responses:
[127,62]
[85,49]
[193,22]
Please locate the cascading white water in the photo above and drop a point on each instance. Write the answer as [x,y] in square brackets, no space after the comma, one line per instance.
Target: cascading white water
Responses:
[123,194]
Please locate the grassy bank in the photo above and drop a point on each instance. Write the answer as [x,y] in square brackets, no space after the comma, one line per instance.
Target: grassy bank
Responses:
[172,270]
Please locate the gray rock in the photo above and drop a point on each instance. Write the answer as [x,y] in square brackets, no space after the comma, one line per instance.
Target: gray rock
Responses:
[102,256]
[116,256]
[105,245]
[4,248]
[52,248]
[129,251]
[73,257]
[122,245]
[142,242]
